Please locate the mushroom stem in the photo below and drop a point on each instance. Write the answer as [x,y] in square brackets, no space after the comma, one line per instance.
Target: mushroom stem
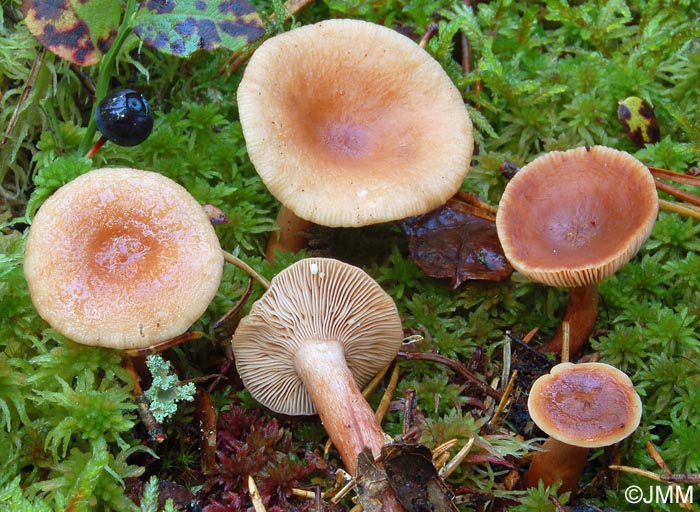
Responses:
[581,314]
[558,461]
[291,236]
[347,417]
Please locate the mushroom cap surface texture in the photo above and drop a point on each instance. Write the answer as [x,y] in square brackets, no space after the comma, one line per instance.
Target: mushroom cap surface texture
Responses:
[587,404]
[314,299]
[350,123]
[122,258]
[572,218]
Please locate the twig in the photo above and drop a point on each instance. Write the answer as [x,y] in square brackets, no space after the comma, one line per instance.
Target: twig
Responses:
[504,399]
[255,497]
[160,347]
[28,86]
[85,80]
[670,206]
[677,177]
[156,432]
[230,258]
[237,306]
[449,468]
[442,449]
[429,34]
[409,405]
[677,193]
[456,366]
[654,453]
[383,406]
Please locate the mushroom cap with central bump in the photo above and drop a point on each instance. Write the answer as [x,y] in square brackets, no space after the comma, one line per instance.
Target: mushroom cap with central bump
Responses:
[573,218]
[350,123]
[315,299]
[122,258]
[587,404]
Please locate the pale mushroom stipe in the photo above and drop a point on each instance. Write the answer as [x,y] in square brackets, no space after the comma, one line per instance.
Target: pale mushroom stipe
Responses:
[351,134]
[122,258]
[573,218]
[322,330]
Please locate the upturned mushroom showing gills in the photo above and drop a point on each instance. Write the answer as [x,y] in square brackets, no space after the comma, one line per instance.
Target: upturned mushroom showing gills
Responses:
[580,406]
[321,331]
[572,219]
[122,258]
[359,126]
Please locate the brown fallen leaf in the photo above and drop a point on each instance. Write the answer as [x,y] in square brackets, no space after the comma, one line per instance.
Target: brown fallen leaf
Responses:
[457,240]
[412,475]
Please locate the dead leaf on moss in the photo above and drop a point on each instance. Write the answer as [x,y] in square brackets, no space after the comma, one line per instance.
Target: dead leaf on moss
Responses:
[459,241]
[416,482]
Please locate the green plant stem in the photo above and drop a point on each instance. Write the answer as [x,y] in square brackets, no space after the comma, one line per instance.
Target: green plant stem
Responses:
[105,72]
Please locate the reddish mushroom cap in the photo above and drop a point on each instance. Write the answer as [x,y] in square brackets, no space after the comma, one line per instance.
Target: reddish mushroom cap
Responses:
[314,299]
[122,258]
[573,218]
[350,123]
[587,404]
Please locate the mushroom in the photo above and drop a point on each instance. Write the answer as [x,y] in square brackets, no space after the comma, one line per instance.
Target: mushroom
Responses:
[359,126]
[572,219]
[122,258]
[318,334]
[580,406]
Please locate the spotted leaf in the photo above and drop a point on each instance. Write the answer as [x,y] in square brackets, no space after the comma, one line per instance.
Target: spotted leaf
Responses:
[639,121]
[181,27]
[80,31]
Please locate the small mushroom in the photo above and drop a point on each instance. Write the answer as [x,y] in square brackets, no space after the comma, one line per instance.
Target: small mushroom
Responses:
[580,406]
[318,334]
[122,258]
[572,219]
[359,126]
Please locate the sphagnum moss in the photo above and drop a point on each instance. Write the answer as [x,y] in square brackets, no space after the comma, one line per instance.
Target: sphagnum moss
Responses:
[541,76]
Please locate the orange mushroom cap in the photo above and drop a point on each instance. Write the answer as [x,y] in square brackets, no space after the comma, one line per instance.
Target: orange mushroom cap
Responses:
[122,258]
[314,299]
[573,218]
[587,404]
[350,123]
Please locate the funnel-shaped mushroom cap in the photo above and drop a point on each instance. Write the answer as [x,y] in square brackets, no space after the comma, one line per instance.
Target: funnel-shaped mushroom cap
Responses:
[350,123]
[122,258]
[573,218]
[314,299]
[588,404]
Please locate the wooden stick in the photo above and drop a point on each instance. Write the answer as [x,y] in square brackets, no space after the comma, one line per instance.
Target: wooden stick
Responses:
[230,258]
[677,193]
[456,366]
[670,206]
[677,177]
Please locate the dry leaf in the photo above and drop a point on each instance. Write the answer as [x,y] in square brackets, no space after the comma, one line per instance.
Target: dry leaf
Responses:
[458,241]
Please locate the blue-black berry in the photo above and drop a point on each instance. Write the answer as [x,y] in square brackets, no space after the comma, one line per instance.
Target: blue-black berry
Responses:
[124,117]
